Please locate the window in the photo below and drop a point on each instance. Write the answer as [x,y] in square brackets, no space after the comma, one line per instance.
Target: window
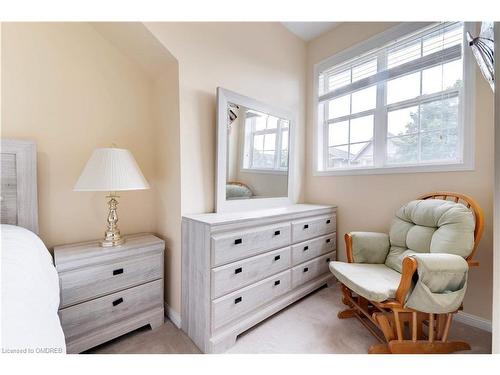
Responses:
[266,147]
[396,103]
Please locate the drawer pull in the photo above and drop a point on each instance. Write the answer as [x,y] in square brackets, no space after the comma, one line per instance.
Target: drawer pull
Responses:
[237,300]
[306,269]
[327,240]
[306,248]
[328,221]
[327,260]
[118,301]
[277,282]
[306,226]
[118,271]
[277,233]
[277,257]
[238,270]
[238,241]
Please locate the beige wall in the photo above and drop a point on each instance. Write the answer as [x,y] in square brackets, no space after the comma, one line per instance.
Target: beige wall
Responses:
[260,60]
[369,202]
[168,181]
[71,91]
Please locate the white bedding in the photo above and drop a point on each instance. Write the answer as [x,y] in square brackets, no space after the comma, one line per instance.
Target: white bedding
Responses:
[30,295]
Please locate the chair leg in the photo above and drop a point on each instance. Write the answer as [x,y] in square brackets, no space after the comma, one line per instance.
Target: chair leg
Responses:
[427,347]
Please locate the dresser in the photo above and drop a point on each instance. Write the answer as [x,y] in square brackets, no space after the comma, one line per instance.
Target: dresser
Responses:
[240,268]
[109,291]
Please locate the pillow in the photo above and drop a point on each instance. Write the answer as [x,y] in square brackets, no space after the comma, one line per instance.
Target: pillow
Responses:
[234,191]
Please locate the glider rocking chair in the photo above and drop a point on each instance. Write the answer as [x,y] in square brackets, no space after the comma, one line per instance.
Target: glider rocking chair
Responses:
[406,286]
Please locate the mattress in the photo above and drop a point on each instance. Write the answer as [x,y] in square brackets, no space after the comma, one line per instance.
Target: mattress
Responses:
[30,295]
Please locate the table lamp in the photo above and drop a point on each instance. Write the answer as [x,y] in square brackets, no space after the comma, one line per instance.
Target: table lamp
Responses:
[111,170]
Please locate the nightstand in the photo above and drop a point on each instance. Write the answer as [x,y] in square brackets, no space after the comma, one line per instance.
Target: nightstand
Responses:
[109,291]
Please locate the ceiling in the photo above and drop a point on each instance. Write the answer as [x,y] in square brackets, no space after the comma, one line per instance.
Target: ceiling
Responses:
[309,30]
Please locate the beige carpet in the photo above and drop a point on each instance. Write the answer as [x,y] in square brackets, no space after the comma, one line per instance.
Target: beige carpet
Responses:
[308,326]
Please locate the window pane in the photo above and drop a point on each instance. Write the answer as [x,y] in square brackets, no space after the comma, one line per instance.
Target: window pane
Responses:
[339,107]
[338,80]
[452,75]
[272,122]
[403,88]
[439,145]
[338,156]
[439,114]
[260,121]
[402,121]
[442,39]
[403,54]
[402,150]
[284,123]
[364,70]
[432,80]
[338,133]
[258,142]
[269,142]
[361,129]
[364,100]
[361,154]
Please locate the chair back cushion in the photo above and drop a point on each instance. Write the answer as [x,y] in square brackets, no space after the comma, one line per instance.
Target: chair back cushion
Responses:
[430,226]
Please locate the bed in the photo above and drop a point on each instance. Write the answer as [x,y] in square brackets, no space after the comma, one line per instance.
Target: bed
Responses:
[30,285]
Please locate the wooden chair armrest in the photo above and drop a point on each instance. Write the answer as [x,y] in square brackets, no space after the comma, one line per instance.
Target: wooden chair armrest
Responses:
[348,247]
[408,269]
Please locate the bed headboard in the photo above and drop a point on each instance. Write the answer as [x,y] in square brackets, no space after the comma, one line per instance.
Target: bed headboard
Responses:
[19,201]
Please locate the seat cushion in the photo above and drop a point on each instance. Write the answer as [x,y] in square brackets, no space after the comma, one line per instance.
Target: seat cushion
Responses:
[375,282]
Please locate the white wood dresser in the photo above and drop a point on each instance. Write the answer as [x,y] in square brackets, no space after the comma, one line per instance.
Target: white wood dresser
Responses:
[109,291]
[240,268]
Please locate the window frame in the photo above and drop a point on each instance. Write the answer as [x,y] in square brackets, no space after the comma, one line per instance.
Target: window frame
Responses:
[466,115]
[278,132]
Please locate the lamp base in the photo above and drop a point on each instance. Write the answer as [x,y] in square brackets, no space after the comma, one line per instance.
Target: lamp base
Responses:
[111,243]
[112,236]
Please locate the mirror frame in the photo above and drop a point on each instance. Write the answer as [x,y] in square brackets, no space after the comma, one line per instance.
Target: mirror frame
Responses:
[224,97]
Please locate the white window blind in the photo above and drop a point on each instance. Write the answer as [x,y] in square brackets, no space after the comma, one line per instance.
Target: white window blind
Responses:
[399,104]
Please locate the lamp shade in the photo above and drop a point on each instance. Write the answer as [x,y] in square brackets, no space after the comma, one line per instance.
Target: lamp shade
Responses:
[111,169]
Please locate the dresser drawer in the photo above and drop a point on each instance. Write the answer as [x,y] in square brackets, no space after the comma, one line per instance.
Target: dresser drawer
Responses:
[313,227]
[312,269]
[304,251]
[101,312]
[236,304]
[98,280]
[229,247]
[236,275]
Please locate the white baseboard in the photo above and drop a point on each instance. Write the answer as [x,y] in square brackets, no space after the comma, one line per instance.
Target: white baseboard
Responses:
[173,316]
[473,321]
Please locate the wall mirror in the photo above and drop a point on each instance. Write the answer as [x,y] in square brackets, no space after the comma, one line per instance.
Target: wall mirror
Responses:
[254,153]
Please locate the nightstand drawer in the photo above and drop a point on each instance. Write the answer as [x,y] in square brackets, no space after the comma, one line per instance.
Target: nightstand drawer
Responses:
[84,318]
[98,280]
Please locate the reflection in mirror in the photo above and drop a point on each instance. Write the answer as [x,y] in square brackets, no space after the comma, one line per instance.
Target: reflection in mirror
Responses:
[257,150]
